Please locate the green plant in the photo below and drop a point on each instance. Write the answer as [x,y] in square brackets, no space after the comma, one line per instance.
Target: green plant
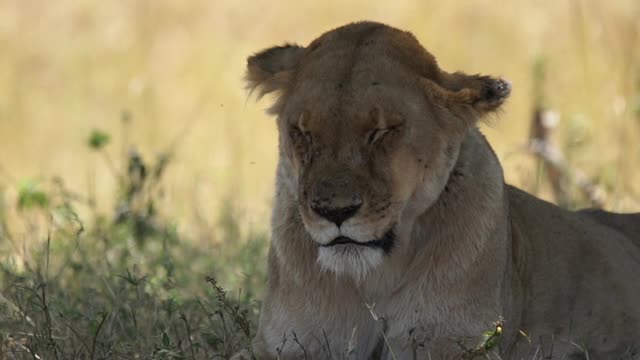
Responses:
[122,285]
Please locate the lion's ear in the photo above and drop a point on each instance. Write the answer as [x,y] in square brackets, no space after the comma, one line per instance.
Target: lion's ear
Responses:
[469,96]
[271,69]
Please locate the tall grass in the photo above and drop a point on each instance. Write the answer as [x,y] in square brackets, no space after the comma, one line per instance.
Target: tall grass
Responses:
[122,284]
[177,67]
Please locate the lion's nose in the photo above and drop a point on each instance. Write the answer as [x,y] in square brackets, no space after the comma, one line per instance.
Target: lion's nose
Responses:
[337,215]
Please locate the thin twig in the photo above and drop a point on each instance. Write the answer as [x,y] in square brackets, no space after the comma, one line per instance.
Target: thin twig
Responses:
[49,323]
[559,173]
[95,336]
[377,319]
[326,340]
[80,338]
[186,325]
[295,339]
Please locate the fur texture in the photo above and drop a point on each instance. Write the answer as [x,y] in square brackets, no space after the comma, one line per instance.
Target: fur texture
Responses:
[392,216]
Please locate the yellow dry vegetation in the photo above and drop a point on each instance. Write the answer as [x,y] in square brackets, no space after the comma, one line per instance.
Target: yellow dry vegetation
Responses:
[70,66]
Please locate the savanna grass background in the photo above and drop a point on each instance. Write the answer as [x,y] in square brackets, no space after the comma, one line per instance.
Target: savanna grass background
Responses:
[136,173]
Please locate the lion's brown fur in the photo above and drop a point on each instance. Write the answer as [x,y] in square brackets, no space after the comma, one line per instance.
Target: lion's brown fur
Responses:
[441,247]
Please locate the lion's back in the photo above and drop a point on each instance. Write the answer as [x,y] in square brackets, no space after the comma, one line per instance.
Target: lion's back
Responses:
[627,224]
[578,267]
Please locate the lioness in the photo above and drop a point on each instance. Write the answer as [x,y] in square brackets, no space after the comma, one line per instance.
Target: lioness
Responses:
[394,234]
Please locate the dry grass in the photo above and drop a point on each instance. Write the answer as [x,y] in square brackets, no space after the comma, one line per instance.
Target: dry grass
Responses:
[72,66]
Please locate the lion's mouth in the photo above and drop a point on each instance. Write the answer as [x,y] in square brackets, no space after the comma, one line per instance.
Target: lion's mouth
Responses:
[385,243]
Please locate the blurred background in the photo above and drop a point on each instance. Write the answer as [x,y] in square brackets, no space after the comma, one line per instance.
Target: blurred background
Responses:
[97,97]
[175,69]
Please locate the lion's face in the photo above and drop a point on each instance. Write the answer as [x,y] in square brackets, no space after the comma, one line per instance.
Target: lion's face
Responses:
[370,129]
[358,166]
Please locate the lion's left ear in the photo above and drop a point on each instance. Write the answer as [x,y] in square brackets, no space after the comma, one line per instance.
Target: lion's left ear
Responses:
[469,95]
[271,69]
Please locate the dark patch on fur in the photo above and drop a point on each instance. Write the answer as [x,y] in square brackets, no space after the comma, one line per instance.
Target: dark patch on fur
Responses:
[496,90]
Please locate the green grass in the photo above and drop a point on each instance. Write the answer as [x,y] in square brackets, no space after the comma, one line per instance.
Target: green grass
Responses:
[124,284]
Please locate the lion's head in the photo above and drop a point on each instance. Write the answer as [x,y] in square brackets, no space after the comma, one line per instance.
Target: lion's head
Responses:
[370,129]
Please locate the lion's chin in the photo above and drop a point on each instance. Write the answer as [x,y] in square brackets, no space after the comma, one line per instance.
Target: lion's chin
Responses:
[350,260]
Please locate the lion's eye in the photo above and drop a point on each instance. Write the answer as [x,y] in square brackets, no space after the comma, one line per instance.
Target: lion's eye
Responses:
[377,134]
[298,135]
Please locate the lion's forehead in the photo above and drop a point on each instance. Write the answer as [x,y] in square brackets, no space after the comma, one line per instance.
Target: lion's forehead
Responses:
[345,76]
[344,68]
[334,87]
[327,89]
[366,51]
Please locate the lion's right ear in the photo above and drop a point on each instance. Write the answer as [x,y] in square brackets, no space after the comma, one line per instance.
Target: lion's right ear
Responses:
[271,69]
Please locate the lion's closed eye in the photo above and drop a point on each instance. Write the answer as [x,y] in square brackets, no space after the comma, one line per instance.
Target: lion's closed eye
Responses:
[376,135]
[299,136]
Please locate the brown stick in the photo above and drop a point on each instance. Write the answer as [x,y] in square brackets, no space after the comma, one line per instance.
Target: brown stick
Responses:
[559,173]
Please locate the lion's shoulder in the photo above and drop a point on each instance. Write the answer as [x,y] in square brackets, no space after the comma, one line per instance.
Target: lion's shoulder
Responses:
[628,224]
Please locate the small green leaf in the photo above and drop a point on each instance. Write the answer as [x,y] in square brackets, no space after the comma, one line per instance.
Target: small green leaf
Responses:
[29,195]
[166,341]
[98,139]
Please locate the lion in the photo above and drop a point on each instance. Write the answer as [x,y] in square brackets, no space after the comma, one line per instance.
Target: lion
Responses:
[394,234]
